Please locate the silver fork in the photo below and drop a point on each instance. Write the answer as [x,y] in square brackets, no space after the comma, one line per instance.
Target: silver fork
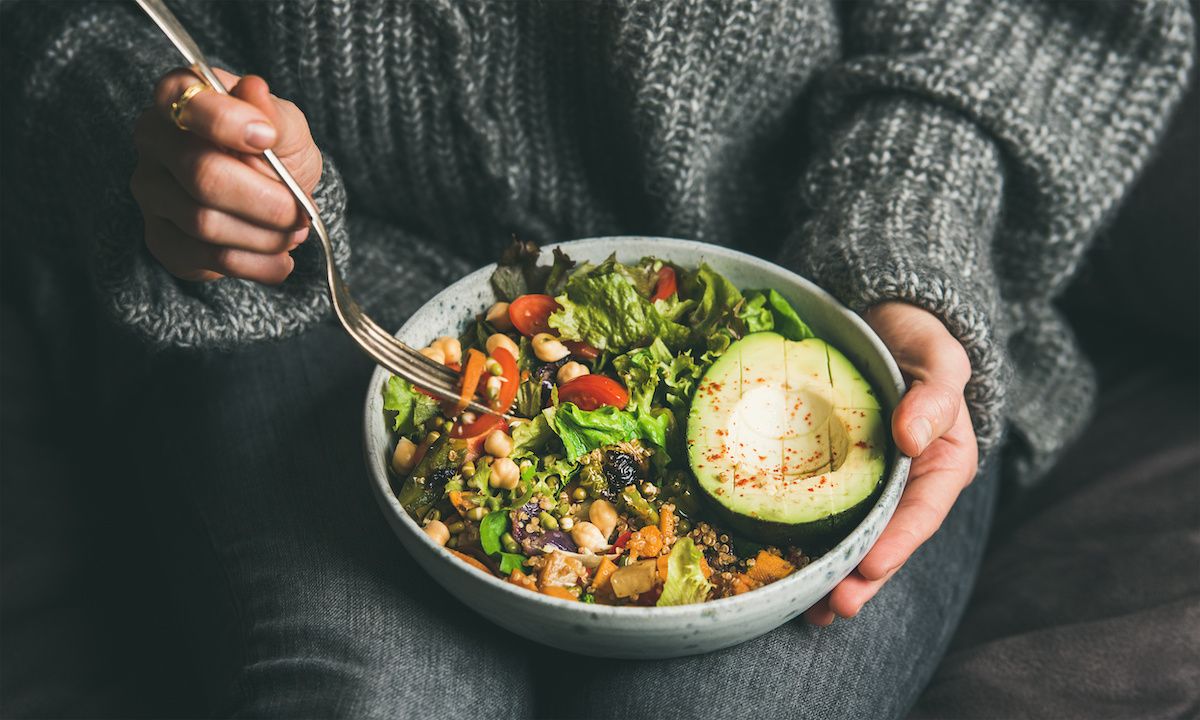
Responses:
[376,342]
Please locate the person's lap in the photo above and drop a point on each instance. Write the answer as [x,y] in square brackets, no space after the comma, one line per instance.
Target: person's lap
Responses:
[303,603]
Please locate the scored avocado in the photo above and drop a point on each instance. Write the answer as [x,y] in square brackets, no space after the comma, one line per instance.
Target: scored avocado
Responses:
[787,440]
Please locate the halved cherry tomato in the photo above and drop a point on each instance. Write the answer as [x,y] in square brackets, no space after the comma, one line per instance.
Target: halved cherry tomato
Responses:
[667,285]
[511,376]
[470,378]
[582,349]
[591,391]
[476,432]
[529,314]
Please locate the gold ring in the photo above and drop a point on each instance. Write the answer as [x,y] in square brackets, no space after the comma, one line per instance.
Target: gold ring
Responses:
[177,107]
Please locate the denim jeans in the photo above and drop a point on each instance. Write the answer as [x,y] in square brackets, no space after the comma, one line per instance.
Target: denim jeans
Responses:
[299,601]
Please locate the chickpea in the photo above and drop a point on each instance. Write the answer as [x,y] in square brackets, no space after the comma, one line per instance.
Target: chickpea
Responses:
[500,340]
[588,537]
[570,371]
[604,516]
[547,348]
[404,457]
[438,531]
[498,444]
[435,354]
[505,474]
[497,315]
[451,348]
[492,387]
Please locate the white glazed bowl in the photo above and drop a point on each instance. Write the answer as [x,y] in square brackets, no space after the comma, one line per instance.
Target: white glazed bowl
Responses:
[639,632]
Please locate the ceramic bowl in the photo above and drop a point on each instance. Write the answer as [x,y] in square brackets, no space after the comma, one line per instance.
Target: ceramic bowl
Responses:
[639,632]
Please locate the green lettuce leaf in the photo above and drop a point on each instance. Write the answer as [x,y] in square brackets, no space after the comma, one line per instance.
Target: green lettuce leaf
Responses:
[493,525]
[755,314]
[511,561]
[716,299]
[532,436]
[412,408]
[642,370]
[686,584]
[518,273]
[582,431]
[556,280]
[605,310]
[787,322]
[653,427]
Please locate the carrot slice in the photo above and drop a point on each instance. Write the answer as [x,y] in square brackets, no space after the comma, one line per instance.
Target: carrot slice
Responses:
[470,377]
[558,592]
[471,561]
[510,375]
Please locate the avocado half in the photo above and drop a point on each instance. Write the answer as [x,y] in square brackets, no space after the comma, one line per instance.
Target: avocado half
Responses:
[787,440]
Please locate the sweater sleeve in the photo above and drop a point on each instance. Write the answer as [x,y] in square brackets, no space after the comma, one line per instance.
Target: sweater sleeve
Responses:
[80,74]
[972,149]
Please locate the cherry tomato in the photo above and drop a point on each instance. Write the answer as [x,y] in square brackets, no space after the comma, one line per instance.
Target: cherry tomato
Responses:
[582,349]
[476,432]
[529,314]
[667,285]
[591,391]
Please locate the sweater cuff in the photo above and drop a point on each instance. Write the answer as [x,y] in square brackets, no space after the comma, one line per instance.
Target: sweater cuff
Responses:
[168,312]
[903,205]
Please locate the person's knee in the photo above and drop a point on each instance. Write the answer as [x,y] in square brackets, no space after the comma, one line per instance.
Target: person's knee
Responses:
[380,660]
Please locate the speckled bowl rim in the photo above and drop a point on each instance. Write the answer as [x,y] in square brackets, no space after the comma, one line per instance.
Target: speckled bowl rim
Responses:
[663,247]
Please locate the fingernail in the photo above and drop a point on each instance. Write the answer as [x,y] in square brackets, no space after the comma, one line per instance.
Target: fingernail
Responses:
[260,135]
[298,238]
[921,431]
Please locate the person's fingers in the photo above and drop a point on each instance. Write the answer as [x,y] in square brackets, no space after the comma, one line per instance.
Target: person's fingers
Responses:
[936,480]
[851,594]
[819,614]
[936,365]
[295,143]
[157,192]
[926,412]
[225,120]
[190,259]
[222,181]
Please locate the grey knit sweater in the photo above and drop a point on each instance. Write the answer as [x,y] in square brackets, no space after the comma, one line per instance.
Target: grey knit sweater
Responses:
[955,154]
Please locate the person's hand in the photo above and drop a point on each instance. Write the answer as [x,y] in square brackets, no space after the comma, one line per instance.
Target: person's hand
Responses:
[212,207]
[931,425]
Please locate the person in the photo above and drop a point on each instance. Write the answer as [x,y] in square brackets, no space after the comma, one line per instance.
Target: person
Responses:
[940,167]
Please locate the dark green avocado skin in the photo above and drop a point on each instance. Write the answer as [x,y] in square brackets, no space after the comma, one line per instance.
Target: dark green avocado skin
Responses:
[810,537]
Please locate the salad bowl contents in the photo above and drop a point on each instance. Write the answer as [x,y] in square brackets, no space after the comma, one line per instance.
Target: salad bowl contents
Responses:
[667,437]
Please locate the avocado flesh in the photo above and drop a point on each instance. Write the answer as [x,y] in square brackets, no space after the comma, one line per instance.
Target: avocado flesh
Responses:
[786,439]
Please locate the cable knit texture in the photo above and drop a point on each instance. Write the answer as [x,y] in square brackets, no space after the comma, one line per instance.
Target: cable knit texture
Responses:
[955,154]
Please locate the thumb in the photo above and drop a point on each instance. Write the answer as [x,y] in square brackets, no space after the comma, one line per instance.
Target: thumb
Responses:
[939,369]
[928,410]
